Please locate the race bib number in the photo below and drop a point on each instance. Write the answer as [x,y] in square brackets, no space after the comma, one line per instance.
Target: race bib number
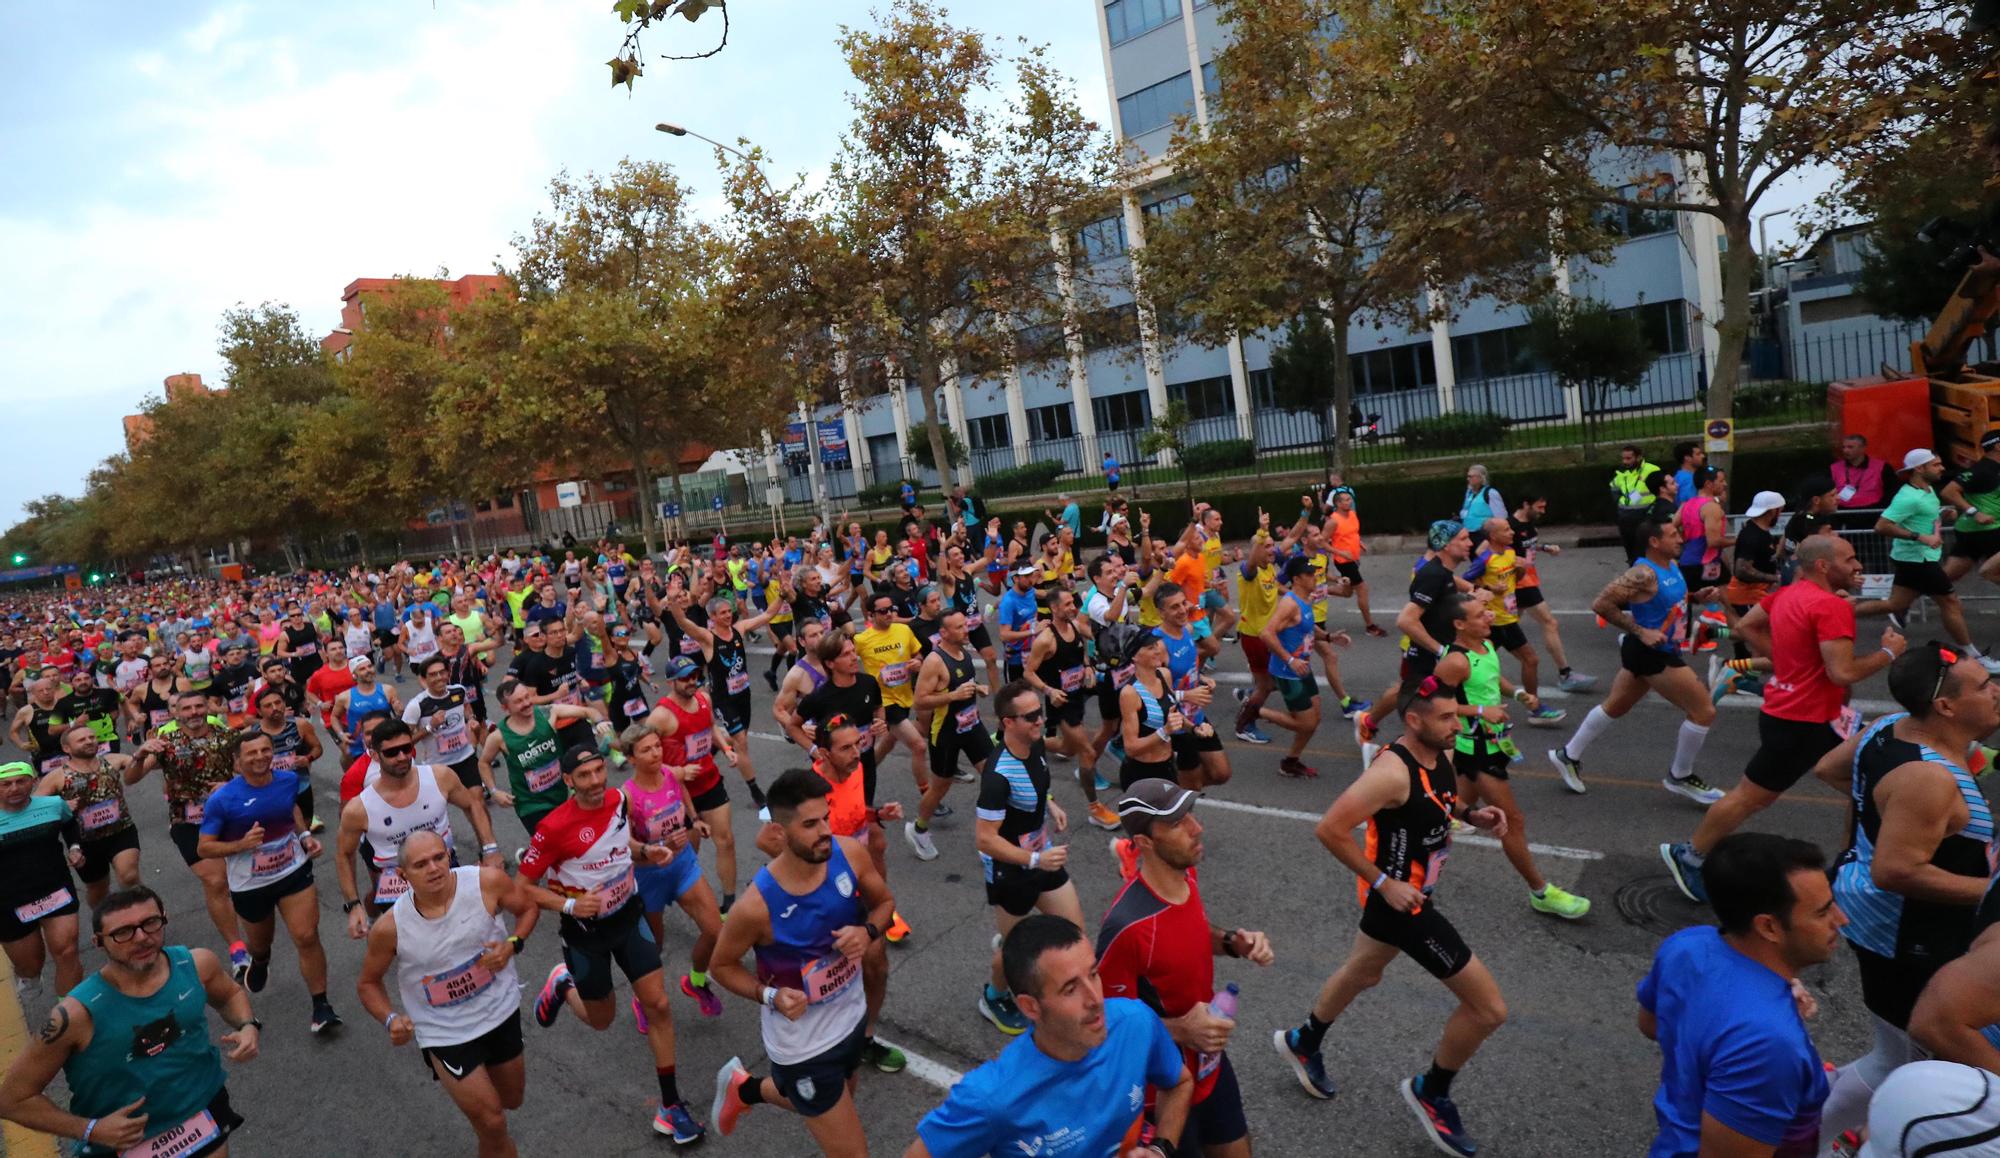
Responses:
[1121,677]
[617,893]
[738,682]
[1511,603]
[700,744]
[286,762]
[52,763]
[664,824]
[456,986]
[274,858]
[542,777]
[102,814]
[1847,723]
[306,649]
[973,621]
[894,675]
[635,708]
[690,646]
[1434,868]
[185,1138]
[825,978]
[36,910]
[1072,679]
[192,813]
[239,705]
[159,717]
[968,718]
[1206,1064]
[1037,840]
[390,885]
[566,691]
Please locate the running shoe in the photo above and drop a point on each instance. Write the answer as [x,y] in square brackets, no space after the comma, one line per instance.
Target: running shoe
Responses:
[1693,787]
[675,1122]
[728,1108]
[1103,817]
[317,825]
[1230,638]
[1750,684]
[1296,769]
[1686,873]
[1439,1118]
[886,1058]
[1547,717]
[1575,682]
[550,1003]
[1990,663]
[259,974]
[964,775]
[1570,770]
[899,929]
[1097,779]
[1897,621]
[1364,730]
[1375,630]
[1557,903]
[919,842]
[1249,734]
[639,1020]
[1000,1010]
[1981,760]
[239,964]
[1309,1068]
[1351,707]
[324,1018]
[1241,694]
[704,996]
[1127,855]
[1723,685]
[941,811]
[31,987]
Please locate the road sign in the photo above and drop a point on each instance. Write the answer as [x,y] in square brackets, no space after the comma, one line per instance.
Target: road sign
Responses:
[1721,436]
[717,503]
[569,494]
[670,510]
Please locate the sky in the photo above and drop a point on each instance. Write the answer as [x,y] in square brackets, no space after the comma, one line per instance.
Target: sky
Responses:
[182,159]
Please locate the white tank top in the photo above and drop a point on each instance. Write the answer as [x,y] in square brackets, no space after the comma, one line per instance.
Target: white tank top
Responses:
[421,643]
[360,640]
[448,996]
[389,826]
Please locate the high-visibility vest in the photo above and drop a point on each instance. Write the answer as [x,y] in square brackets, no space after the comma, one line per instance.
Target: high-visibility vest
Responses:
[1631,488]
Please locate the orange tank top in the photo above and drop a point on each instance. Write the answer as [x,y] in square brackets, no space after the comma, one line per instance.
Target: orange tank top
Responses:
[847,805]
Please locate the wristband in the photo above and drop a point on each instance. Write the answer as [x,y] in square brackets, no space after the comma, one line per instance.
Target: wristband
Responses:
[1379,880]
[1229,943]
[1521,694]
[389,1022]
[488,847]
[1034,860]
[88,1128]
[569,907]
[769,996]
[1890,654]
[517,942]
[874,934]
[1164,735]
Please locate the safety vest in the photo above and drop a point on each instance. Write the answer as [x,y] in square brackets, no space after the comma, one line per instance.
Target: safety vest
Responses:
[1630,486]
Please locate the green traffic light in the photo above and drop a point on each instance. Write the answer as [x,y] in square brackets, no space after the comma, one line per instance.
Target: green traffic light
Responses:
[20,559]
[96,578]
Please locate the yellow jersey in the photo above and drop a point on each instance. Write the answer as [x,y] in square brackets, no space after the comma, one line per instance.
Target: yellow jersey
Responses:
[1258,596]
[1499,578]
[891,655]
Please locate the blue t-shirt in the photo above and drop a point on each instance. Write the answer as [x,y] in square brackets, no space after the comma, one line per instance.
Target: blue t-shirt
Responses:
[1072,517]
[1731,1046]
[1684,484]
[1016,610]
[1026,1102]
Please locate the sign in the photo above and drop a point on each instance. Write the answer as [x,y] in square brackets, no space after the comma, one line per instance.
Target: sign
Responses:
[833,442]
[795,440]
[670,510]
[1721,436]
[43,571]
[569,494]
[716,503]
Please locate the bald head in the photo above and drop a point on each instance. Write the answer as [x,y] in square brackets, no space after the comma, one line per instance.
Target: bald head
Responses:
[416,845]
[1823,548]
[1493,525]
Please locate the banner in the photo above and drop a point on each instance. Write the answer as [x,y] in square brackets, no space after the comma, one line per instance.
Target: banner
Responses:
[833,442]
[569,494]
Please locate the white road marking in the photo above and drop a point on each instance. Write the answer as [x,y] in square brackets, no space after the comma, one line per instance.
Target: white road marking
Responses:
[924,1069]
[1554,850]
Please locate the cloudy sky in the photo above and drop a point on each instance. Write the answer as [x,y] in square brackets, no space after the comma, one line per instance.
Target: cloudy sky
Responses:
[167,164]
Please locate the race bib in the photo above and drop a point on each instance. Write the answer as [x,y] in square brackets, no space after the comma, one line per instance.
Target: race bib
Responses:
[972,621]
[616,894]
[390,885]
[635,708]
[36,910]
[102,814]
[1122,676]
[238,705]
[826,977]
[738,682]
[274,858]
[306,649]
[968,718]
[700,744]
[192,813]
[664,824]
[566,691]
[542,777]
[690,646]
[52,763]
[1847,723]
[894,675]
[1037,840]
[1072,679]
[286,762]
[1434,867]
[159,717]
[1206,1064]
[185,1138]
[456,986]
[1511,603]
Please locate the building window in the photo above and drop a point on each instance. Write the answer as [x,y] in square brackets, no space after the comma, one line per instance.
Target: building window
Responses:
[1629,221]
[1102,238]
[883,448]
[1156,106]
[1207,398]
[1124,19]
[1494,354]
[1665,325]
[1411,366]
[1167,205]
[1208,81]
[1047,423]
[1127,411]
[1111,326]
[988,432]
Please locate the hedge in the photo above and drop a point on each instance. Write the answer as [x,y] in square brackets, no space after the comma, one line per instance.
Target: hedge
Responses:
[1220,456]
[1768,398]
[1461,430]
[1035,476]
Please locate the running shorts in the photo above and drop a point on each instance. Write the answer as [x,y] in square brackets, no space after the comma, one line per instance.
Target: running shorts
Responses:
[256,905]
[663,885]
[1218,1119]
[1071,712]
[1132,771]
[1509,637]
[1188,748]
[714,798]
[1923,578]
[97,854]
[1529,596]
[1977,546]
[894,714]
[1014,890]
[186,838]
[1890,985]
[1424,936]
[1641,660]
[1299,692]
[976,746]
[622,938]
[12,928]
[1787,750]
[498,1045]
[816,1085]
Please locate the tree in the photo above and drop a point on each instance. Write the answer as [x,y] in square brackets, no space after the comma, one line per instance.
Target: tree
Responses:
[1302,374]
[1590,347]
[931,244]
[1903,275]
[1169,433]
[640,15]
[1690,106]
[1308,197]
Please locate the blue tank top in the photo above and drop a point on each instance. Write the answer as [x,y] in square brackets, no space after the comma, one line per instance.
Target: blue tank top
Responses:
[802,927]
[1292,638]
[1664,611]
[155,1047]
[1184,665]
[359,705]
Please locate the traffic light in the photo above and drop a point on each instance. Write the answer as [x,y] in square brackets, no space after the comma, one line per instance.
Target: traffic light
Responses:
[96,578]
[19,558]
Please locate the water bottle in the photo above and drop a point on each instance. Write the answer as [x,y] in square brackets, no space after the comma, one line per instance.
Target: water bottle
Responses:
[1223,1004]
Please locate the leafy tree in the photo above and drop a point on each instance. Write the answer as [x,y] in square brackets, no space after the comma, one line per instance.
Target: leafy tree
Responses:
[1169,433]
[1902,275]
[1589,346]
[1302,374]
[641,15]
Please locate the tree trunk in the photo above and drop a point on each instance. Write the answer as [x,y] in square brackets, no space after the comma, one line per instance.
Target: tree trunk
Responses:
[927,382]
[1343,391]
[1738,268]
[471,525]
[642,475]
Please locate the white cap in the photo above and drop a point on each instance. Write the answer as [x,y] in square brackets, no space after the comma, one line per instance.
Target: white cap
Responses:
[1917,458]
[1934,1107]
[1765,503]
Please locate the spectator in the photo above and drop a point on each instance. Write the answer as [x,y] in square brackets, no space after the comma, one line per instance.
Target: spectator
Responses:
[1864,482]
[1110,471]
[1071,517]
[1738,1071]
[1634,497]
[1691,458]
[1666,497]
[1481,501]
[907,495]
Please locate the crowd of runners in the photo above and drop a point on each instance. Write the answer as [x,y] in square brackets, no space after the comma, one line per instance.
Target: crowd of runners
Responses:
[605,703]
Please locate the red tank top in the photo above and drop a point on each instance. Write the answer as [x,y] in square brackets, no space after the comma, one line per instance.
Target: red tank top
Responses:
[693,741]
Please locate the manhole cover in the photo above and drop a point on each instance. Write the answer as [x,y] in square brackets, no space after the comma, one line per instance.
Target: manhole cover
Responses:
[1655,905]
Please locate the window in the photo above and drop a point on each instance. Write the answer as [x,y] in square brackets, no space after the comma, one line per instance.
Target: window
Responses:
[1208,81]
[1102,238]
[1039,342]
[1207,398]
[1127,411]
[1411,366]
[1665,324]
[1124,19]
[988,432]
[1047,423]
[1494,354]
[883,448]
[1167,205]
[1155,106]
[1111,326]
[1627,221]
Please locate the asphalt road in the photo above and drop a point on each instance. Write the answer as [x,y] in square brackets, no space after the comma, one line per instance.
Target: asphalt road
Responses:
[1568,1075]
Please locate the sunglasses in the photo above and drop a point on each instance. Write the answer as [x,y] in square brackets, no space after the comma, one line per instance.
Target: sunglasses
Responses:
[149,926]
[1034,717]
[398,750]
[1946,659]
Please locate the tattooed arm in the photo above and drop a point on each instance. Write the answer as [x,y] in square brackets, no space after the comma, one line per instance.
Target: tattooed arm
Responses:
[1634,586]
[23,1091]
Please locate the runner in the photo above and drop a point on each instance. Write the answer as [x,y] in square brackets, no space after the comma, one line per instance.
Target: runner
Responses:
[168,1095]
[1975,491]
[1058,667]
[584,851]
[454,961]
[1408,798]
[1259,594]
[37,727]
[527,738]
[1913,520]
[1807,628]
[1704,536]
[722,648]
[947,690]
[252,824]
[1648,605]
[1156,944]
[668,871]
[299,646]
[1014,615]
[1080,1077]
[194,757]
[1422,627]
[294,747]
[440,716]
[685,722]
[1754,569]
[1496,570]
[1483,753]
[1286,638]
[1197,748]
[1150,715]
[38,902]
[891,654]
[150,706]
[406,797]
[368,695]
[801,679]
[810,915]
[1343,539]
[1526,521]
[93,785]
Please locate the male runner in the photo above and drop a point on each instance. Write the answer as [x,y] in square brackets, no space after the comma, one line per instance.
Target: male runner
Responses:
[891,654]
[1528,595]
[1258,594]
[1496,570]
[194,757]
[367,696]
[1914,521]
[1408,798]
[584,850]
[1198,747]
[454,961]
[1422,626]
[1058,667]
[728,674]
[1975,492]
[948,689]
[441,718]
[1807,629]
[37,726]
[294,746]
[166,1098]
[1648,605]
[93,785]
[407,797]
[38,902]
[1286,640]
[527,739]
[1014,615]
[810,915]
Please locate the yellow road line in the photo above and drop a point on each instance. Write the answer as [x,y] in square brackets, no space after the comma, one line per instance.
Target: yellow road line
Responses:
[20,1142]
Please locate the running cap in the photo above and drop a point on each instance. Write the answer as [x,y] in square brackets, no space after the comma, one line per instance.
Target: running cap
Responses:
[682,667]
[577,757]
[15,769]
[1444,531]
[1027,569]
[1294,567]
[1765,503]
[1916,458]
[1933,1107]
[1153,799]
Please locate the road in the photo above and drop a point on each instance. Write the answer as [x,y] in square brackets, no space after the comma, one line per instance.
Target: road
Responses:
[1568,1074]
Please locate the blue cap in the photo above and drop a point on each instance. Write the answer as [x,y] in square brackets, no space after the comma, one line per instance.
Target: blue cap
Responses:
[1444,531]
[682,667]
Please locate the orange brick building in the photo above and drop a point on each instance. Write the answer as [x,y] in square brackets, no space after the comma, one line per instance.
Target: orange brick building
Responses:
[138,427]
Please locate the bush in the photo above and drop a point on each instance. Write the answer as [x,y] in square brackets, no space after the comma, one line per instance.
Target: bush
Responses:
[880,495]
[1806,400]
[1223,455]
[1035,476]
[1454,431]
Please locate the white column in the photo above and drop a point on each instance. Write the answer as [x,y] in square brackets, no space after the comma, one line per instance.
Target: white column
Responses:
[1194,65]
[1083,417]
[1447,370]
[1149,334]
[1572,394]
[1015,396]
[857,447]
[774,474]
[1705,235]
[1239,387]
[900,404]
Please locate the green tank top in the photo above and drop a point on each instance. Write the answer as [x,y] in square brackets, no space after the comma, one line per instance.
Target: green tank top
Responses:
[516,600]
[534,766]
[1482,688]
[153,1047]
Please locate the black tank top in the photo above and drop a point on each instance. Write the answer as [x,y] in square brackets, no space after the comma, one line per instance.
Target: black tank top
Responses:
[1068,657]
[728,670]
[1411,841]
